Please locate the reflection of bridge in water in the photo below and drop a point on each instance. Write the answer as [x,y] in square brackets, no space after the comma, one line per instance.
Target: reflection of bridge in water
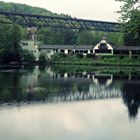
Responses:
[98,79]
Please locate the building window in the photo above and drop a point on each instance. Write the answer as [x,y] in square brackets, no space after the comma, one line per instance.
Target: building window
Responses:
[62,51]
[55,50]
[85,51]
[76,51]
[103,51]
[103,47]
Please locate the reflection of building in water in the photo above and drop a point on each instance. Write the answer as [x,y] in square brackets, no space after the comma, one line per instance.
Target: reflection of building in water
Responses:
[30,78]
[131,97]
[98,79]
[103,79]
[78,86]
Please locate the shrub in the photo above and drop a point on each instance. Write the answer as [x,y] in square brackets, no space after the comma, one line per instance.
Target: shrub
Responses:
[42,59]
[59,56]
[79,55]
[90,56]
[28,56]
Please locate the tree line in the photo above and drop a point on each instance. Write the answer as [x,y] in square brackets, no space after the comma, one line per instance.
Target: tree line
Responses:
[10,44]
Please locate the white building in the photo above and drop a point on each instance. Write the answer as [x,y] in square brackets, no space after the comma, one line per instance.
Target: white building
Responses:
[31,46]
[102,48]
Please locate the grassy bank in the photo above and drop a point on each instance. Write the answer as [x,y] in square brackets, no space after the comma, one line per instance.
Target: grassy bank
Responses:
[97,60]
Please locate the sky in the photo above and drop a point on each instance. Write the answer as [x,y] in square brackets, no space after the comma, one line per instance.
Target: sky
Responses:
[104,10]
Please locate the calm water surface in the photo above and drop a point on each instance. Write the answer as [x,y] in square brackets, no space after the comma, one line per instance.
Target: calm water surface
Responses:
[52,104]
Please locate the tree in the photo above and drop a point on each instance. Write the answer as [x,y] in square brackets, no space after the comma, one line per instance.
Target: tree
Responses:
[85,38]
[4,31]
[130,15]
[10,38]
[50,37]
[42,59]
[14,42]
[127,8]
[57,36]
[28,56]
[132,29]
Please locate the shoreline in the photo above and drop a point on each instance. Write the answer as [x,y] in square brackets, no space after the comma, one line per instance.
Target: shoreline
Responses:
[51,63]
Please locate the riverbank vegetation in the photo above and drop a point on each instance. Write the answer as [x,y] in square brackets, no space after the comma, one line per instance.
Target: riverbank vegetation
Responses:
[113,60]
[10,45]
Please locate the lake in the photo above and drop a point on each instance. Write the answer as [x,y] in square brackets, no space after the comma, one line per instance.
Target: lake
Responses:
[69,103]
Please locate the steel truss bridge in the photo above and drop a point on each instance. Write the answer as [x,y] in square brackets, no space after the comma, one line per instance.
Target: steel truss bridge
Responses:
[39,21]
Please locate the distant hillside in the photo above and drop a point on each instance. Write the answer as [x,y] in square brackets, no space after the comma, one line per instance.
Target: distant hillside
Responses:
[23,8]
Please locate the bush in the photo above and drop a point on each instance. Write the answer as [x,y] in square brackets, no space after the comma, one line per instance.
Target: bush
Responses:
[79,55]
[42,59]
[59,56]
[28,56]
[121,56]
[135,56]
[90,56]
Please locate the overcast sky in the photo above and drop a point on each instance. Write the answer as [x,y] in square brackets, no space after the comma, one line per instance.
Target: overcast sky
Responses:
[85,9]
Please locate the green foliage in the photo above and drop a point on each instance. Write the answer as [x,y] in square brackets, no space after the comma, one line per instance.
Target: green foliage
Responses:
[112,60]
[23,8]
[27,56]
[127,8]
[10,49]
[90,56]
[79,55]
[85,38]
[4,30]
[130,15]
[59,56]
[132,29]
[56,36]
[42,59]
[53,36]
[24,34]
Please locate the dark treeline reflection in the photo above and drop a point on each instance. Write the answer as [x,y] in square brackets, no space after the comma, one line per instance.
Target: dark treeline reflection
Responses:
[58,85]
[131,97]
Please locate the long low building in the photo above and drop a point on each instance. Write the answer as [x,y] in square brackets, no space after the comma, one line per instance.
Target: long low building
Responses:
[102,48]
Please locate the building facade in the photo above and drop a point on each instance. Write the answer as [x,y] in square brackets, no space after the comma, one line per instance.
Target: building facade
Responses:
[31,46]
[102,48]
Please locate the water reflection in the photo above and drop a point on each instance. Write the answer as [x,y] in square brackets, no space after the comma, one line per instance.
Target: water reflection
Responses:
[131,97]
[46,84]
